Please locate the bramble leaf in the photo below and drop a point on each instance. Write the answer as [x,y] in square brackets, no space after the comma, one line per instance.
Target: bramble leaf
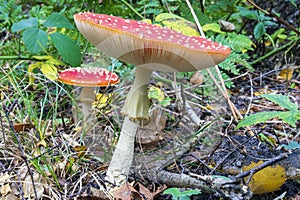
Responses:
[58,20]
[67,48]
[24,24]
[35,39]
[290,117]
[259,30]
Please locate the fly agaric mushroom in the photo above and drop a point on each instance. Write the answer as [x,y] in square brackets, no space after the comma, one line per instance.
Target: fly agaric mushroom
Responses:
[149,47]
[88,78]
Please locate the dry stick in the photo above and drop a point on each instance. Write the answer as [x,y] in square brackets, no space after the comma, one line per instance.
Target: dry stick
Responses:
[7,111]
[252,171]
[271,14]
[251,90]
[271,53]
[223,88]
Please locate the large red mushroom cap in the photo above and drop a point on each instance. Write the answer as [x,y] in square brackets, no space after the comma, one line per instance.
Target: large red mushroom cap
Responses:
[88,77]
[148,45]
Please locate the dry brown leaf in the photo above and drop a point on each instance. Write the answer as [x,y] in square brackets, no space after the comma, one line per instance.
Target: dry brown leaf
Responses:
[22,127]
[285,74]
[266,180]
[80,150]
[28,187]
[148,194]
[5,189]
[152,132]
[126,192]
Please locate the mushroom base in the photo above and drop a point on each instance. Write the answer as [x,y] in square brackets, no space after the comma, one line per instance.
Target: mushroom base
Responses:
[120,164]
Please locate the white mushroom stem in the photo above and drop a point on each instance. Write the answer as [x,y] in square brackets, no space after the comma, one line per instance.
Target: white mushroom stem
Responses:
[137,107]
[85,104]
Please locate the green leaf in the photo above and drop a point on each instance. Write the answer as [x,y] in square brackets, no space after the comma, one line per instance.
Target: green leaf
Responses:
[291,146]
[175,192]
[58,20]
[50,71]
[239,42]
[35,39]
[290,117]
[24,24]
[212,27]
[190,192]
[259,30]
[249,14]
[67,48]
[281,100]
[257,118]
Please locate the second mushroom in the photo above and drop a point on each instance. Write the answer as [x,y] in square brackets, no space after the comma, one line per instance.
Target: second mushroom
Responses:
[149,47]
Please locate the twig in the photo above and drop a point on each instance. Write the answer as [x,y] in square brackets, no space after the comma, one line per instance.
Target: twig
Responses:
[233,109]
[271,53]
[251,96]
[262,166]
[186,106]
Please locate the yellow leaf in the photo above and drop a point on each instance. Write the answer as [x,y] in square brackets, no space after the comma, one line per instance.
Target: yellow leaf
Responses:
[156,93]
[166,16]
[185,27]
[285,74]
[266,180]
[42,143]
[49,70]
[55,62]
[42,57]
[102,100]
[81,150]
[147,21]
[31,67]
[212,27]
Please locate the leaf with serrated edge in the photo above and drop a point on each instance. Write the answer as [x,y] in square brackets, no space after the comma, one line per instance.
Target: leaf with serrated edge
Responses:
[35,39]
[67,48]
[24,24]
[58,20]
[257,118]
[281,100]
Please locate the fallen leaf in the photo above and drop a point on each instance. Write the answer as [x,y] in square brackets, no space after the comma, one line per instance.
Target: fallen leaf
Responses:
[266,180]
[126,192]
[22,127]
[80,150]
[285,74]
[5,189]
[148,194]
[152,132]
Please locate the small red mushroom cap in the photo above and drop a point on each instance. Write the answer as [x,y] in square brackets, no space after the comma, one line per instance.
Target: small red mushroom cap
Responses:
[149,45]
[88,77]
